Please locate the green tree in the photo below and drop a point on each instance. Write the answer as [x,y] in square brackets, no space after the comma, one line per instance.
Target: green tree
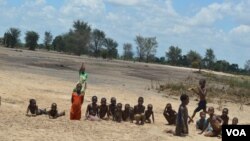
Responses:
[47,39]
[139,40]
[233,68]
[81,27]
[127,51]
[160,60]
[58,43]
[104,53]
[184,61]
[146,47]
[174,55]
[150,47]
[77,40]
[221,65]
[111,46]
[209,59]
[31,39]
[194,59]
[11,37]
[97,41]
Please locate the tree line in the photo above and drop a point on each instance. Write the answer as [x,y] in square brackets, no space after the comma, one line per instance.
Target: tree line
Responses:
[83,40]
[195,60]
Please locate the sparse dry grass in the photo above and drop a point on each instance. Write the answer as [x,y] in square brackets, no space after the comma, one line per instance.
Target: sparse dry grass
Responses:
[221,89]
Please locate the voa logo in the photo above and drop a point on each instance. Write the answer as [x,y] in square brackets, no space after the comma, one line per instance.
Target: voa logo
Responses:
[236,132]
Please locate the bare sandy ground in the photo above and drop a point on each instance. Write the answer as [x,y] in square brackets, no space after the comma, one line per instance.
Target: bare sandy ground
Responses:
[50,77]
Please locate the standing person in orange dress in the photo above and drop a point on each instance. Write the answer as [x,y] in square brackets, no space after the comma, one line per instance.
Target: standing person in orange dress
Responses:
[77,101]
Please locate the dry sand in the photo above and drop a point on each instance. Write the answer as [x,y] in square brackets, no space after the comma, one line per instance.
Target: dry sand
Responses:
[50,77]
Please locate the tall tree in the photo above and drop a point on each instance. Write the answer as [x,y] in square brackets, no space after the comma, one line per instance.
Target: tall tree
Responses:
[11,37]
[146,47]
[47,39]
[173,55]
[58,43]
[150,47]
[78,39]
[209,59]
[111,46]
[31,39]
[127,51]
[194,59]
[139,40]
[247,65]
[81,27]
[97,41]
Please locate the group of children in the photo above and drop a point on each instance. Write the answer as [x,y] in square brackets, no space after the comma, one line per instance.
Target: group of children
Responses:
[94,112]
[33,110]
[113,111]
[212,125]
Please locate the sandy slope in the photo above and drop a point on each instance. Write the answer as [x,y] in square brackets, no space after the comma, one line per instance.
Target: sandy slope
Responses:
[21,80]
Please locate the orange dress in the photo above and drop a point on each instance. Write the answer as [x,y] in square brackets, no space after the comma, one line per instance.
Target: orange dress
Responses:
[77,100]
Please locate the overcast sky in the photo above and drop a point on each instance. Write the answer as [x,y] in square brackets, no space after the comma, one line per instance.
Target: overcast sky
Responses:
[223,25]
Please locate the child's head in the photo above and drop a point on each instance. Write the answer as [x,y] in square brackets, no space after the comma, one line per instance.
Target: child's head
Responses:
[150,107]
[184,99]
[78,88]
[235,121]
[32,102]
[113,100]
[119,106]
[202,115]
[103,101]
[127,106]
[169,106]
[94,99]
[140,100]
[210,111]
[53,106]
[225,112]
[202,83]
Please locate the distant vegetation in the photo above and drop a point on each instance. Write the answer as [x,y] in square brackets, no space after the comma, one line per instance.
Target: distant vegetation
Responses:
[83,40]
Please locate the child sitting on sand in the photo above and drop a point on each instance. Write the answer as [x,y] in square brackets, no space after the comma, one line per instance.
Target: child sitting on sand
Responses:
[201,123]
[139,112]
[112,108]
[235,121]
[126,112]
[224,116]
[118,113]
[149,113]
[92,113]
[33,109]
[53,112]
[103,109]
[170,114]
